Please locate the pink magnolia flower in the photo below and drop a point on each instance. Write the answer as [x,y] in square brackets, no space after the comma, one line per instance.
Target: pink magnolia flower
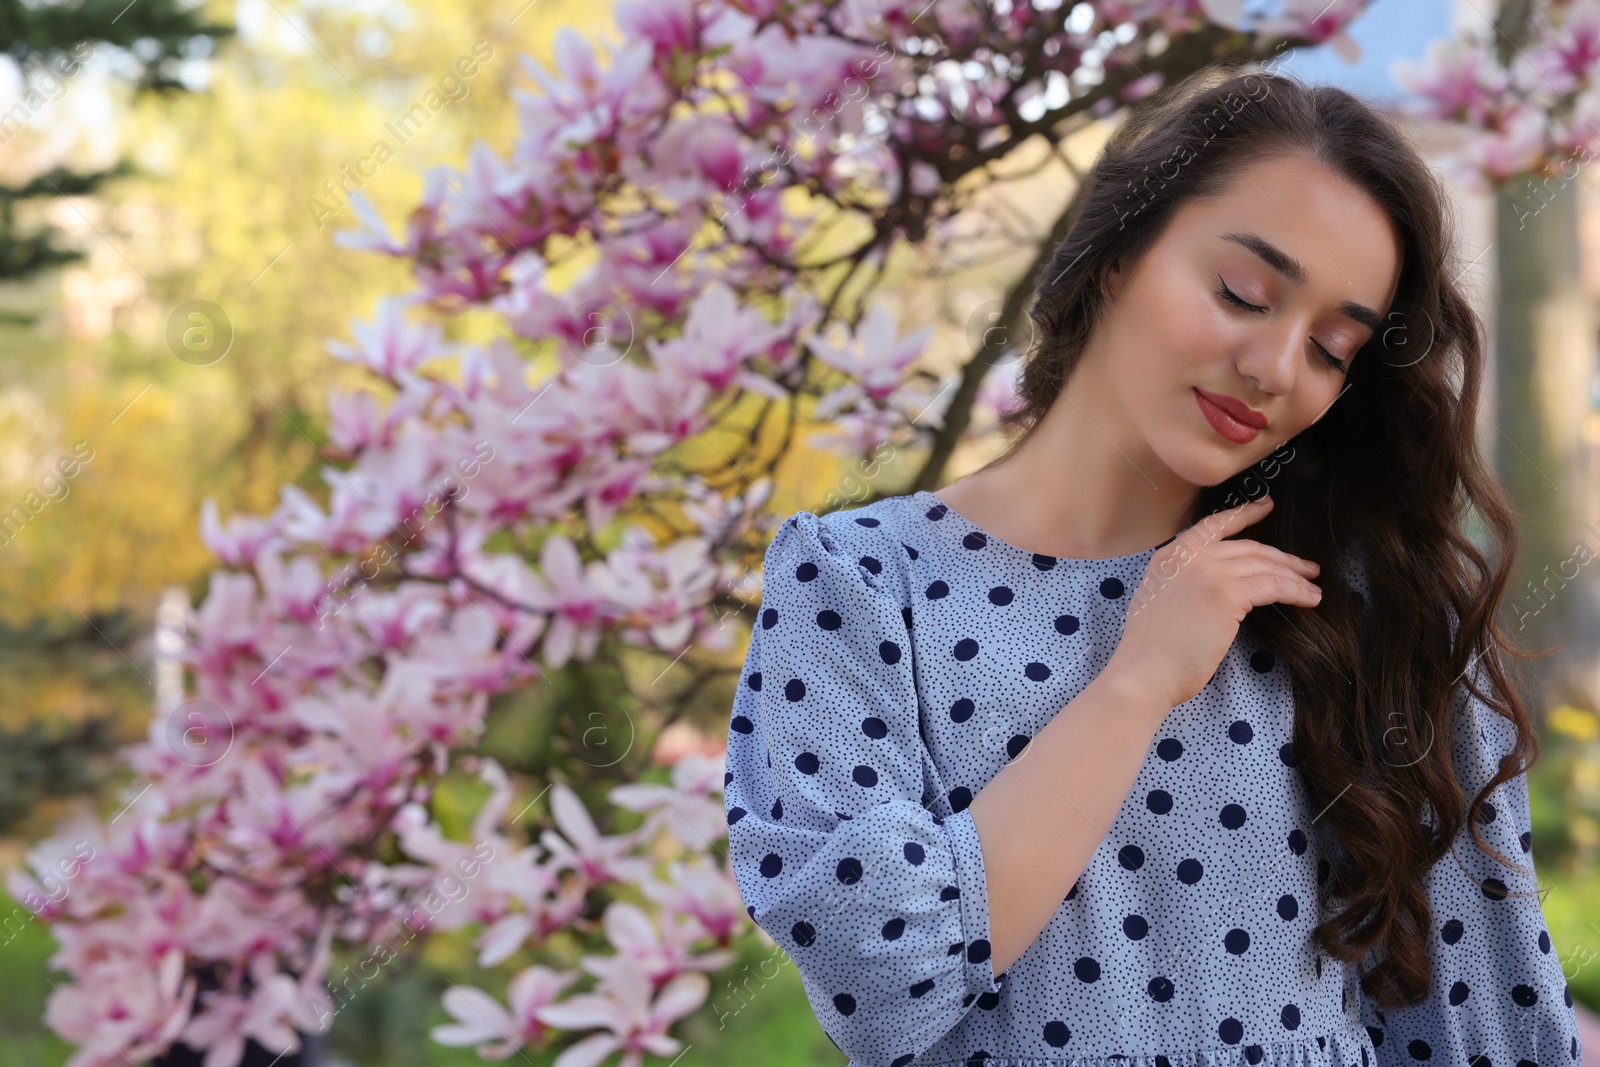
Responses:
[718,338]
[119,1011]
[293,590]
[588,107]
[238,542]
[390,344]
[703,893]
[661,22]
[659,589]
[660,955]
[686,809]
[225,623]
[394,620]
[228,1020]
[373,233]
[1460,82]
[353,420]
[498,1033]
[636,1019]
[565,590]
[874,357]
[696,158]
[1516,147]
[596,857]
[1559,63]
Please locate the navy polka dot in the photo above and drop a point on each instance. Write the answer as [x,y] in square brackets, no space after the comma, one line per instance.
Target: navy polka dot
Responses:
[914,656]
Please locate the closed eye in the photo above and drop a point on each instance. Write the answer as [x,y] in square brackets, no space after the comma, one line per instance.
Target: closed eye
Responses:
[1233,298]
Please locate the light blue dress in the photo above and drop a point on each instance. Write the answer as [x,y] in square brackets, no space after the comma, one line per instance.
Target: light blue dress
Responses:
[902,658]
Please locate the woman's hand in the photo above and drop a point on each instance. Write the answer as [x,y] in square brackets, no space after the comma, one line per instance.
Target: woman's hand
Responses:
[1196,591]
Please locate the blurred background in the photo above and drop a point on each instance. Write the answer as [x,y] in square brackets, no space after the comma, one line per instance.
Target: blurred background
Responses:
[202,157]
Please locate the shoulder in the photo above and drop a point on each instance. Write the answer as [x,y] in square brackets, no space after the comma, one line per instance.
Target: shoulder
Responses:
[868,542]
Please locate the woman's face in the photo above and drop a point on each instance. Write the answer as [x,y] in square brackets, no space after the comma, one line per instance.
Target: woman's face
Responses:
[1316,260]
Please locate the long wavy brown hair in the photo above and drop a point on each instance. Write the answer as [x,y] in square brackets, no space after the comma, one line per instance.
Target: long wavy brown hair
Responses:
[1390,472]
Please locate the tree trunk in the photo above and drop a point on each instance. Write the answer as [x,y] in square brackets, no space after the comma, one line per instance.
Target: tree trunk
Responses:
[1544,357]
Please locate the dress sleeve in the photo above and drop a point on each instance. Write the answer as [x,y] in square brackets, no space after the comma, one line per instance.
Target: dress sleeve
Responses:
[1498,996]
[880,902]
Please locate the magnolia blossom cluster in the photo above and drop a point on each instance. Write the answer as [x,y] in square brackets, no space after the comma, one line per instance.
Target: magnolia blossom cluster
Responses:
[592,480]
[1536,114]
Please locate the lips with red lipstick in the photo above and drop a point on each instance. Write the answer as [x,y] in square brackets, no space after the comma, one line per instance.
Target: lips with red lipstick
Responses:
[1233,419]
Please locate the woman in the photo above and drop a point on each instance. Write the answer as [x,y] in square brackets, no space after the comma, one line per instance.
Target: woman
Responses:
[1008,778]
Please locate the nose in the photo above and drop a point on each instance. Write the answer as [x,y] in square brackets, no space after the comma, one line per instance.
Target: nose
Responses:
[1272,359]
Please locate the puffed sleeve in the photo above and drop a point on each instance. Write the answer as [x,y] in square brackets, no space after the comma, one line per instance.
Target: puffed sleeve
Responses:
[880,902]
[1498,997]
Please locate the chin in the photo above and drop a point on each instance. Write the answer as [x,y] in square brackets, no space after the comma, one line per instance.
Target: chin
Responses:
[1207,462]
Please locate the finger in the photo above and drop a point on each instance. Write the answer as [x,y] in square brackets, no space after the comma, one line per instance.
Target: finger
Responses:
[1225,523]
[1242,546]
[1276,583]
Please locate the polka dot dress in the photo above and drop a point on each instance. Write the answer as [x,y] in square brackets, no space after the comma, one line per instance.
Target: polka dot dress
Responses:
[902,657]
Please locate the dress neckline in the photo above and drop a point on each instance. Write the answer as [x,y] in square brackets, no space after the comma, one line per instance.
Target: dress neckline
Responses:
[933,500]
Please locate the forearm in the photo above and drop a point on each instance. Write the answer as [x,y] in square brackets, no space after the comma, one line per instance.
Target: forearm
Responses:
[1042,817]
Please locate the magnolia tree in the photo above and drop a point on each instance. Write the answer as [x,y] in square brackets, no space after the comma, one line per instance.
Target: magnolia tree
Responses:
[718,194]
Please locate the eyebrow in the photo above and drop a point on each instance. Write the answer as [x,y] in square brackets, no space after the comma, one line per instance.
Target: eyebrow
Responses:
[1291,268]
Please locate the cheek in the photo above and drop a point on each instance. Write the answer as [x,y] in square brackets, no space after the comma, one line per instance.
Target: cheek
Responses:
[1315,404]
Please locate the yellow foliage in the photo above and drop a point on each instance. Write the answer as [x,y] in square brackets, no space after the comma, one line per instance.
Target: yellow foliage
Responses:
[1575,722]
[220,212]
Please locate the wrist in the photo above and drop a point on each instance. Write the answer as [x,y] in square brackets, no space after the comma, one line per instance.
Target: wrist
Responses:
[1133,689]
